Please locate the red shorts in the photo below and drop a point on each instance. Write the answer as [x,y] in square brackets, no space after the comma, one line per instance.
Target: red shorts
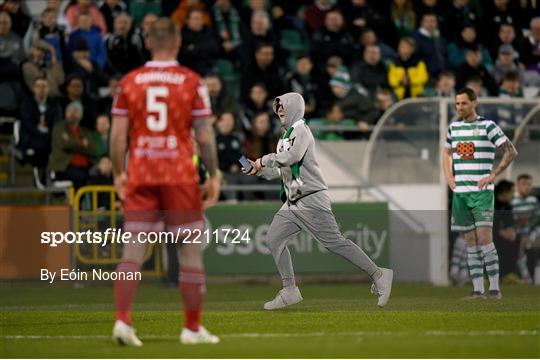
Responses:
[149,207]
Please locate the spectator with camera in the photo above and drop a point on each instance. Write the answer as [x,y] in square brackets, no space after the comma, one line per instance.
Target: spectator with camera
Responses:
[42,62]
[49,30]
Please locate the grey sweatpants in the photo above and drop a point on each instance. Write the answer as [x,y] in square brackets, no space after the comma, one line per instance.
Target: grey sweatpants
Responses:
[312,214]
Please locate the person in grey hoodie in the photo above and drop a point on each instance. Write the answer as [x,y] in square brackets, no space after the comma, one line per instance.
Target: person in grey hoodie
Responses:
[306,205]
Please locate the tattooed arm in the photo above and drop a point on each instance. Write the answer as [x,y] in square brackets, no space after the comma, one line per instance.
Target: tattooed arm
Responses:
[204,135]
[509,153]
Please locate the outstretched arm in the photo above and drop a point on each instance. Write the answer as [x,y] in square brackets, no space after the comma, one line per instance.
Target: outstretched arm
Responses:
[509,153]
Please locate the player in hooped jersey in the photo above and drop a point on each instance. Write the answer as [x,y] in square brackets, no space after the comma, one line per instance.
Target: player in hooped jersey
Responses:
[468,160]
[154,112]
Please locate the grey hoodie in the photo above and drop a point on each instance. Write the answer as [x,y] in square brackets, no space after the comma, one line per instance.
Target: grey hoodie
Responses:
[299,148]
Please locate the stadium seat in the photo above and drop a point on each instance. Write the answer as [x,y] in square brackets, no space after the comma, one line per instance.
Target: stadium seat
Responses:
[139,8]
[229,74]
[293,41]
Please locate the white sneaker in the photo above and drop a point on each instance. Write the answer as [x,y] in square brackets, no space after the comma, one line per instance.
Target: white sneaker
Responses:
[382,287]
[202,336]
[285,297]
[124,334]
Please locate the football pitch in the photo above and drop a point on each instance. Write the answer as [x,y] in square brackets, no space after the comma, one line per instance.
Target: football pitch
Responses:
[334,320]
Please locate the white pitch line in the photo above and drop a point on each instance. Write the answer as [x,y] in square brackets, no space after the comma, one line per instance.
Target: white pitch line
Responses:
[277,335]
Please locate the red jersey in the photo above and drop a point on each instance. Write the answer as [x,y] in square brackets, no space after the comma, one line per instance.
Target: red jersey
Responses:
[161,99]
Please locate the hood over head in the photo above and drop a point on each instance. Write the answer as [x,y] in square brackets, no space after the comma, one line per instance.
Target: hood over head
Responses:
[294,106]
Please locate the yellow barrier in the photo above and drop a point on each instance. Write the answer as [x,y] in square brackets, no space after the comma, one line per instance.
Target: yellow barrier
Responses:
[84,219]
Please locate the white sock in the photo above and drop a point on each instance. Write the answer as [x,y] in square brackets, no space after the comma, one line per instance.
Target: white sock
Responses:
[476,268]
[491,261]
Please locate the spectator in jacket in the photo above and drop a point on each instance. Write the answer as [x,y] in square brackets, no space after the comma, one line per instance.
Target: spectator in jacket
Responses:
[180,14]
[500,12]
[303,81]
[199,45]
[403,17]
[221,100]
[230,149]
[104,103]
[255,104]
[259,32]
[506,35]
[49,30]
[140,34]
[80,7]
[11,55]
[92,36]
[38,66]
[39,113]
[100,137]
[227,25]
[332,39]
[110,10]
[458,15]
[507,61]
[371,73]
[11,48]
[19,20]
[89,70]
[369,38]
[75,92]
[264,69]
[529,47]
[457,49]
[473,68]
[408,75]
[352,102]
[72,148]
[444,86]
[430,46]
[360,15]
[122,46]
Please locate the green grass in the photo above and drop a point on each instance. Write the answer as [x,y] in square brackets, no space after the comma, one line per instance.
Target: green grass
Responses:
[339,320]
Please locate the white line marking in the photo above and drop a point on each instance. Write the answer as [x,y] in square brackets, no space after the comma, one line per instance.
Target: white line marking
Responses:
[277,335]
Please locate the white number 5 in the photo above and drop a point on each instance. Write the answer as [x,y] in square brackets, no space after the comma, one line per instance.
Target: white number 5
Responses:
[158,123]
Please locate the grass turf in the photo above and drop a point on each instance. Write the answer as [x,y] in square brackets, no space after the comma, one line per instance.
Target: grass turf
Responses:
[339,320]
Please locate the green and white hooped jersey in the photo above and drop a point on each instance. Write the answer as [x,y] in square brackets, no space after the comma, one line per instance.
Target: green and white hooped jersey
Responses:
[526,213]
[473,147]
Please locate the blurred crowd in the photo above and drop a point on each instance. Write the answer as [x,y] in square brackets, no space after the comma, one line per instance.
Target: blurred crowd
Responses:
[350,59]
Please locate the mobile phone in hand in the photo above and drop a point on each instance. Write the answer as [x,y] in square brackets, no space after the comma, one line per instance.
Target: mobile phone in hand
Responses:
[245,163]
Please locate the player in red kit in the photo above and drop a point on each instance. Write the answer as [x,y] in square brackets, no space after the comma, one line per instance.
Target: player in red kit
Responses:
[154,112]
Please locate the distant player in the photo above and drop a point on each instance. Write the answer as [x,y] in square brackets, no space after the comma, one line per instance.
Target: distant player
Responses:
[157,106]
[468,160]
[526,212]
[306,205]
